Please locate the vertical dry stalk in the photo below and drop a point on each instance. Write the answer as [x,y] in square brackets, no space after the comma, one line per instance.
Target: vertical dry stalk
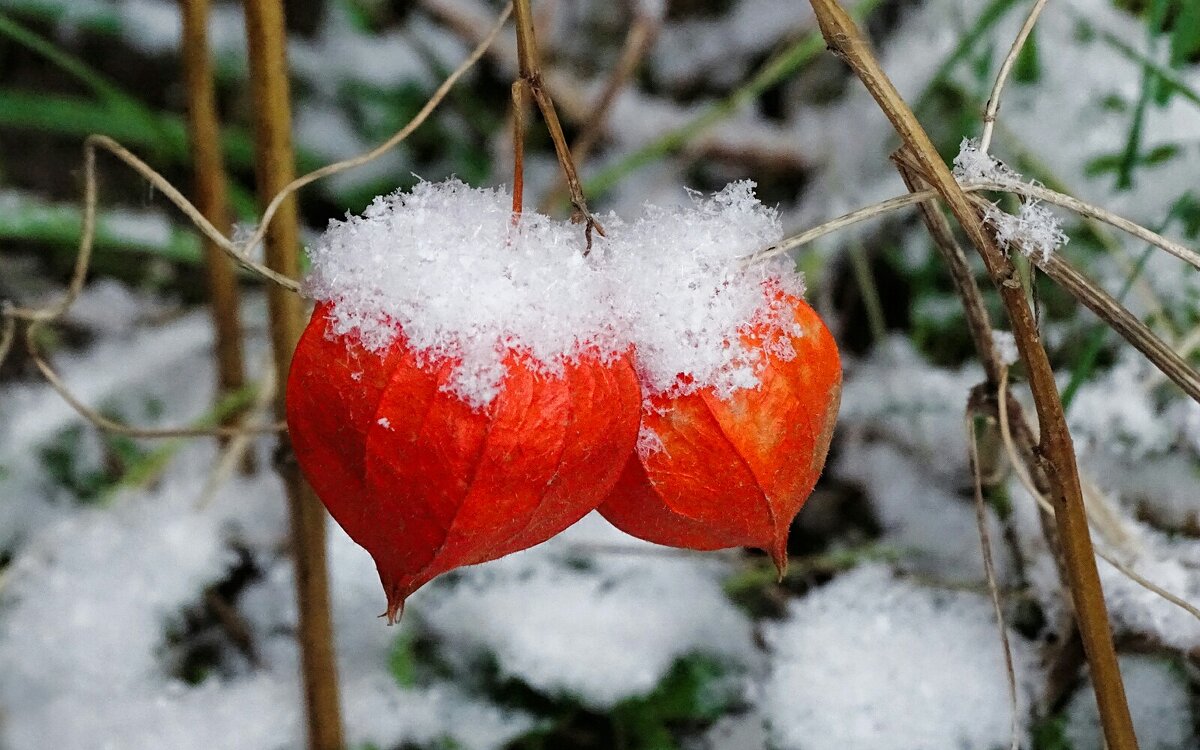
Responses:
[275,169]
[1055,450]
[211,198]
[529,76]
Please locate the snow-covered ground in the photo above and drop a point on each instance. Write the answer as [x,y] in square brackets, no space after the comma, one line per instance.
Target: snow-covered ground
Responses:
[108,637]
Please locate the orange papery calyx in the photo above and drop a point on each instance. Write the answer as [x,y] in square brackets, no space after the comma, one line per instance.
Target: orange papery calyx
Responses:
[715,470]
[427,482]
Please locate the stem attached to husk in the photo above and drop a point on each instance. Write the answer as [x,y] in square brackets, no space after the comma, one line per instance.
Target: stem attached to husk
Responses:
[529,78]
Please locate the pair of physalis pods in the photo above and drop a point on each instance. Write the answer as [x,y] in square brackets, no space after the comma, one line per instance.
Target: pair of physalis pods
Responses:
[428,482]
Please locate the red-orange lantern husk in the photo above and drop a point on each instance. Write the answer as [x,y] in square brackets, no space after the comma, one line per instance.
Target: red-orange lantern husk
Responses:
[735,472]
[425,482]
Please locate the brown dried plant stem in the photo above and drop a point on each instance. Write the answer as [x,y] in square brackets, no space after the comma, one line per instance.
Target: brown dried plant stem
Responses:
[1055,450]
[638,41]
[275,169]
[530,78]
[211,197]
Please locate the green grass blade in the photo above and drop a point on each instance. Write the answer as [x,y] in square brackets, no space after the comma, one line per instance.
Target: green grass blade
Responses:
[73,66]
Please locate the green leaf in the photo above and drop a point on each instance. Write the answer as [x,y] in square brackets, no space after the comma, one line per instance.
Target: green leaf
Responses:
[1186,211]
[402,662]
[1028,68]
[696,689]
[1160,154]
[1185,34]
[26,217]
[1050,733]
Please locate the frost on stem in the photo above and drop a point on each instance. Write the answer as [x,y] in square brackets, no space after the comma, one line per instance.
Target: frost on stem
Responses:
[445,267]
[1034,229]
[975,165]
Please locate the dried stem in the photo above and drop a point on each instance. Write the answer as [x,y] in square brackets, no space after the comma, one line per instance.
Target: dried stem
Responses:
[267,44]
[1026,190]
[638,41]
[519,105]
[530,73]
[980,328]
[1055,449]
[979,324]
[1037,493]
[989,569]
[211,197]
[239,252]
[993,104]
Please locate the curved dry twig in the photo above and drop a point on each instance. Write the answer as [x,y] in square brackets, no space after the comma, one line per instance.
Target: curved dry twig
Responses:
[1039,192]
[400,135]
[989,569]
[238,251]
[993,104]
[109,425]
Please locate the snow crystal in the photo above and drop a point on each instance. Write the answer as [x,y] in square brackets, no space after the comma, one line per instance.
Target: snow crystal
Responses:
[649,442]
[1034,230]
[899,396]
[927,520]
[1135,609]
[1131,424]
[1158,702]
[682,293]
[568,629]
[449,267]
[974,165]
[922,669]
[1006,347]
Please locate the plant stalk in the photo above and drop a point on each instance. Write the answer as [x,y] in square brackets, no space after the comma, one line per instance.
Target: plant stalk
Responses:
[275,168]
[212,200]
[529,75]
[1055,450]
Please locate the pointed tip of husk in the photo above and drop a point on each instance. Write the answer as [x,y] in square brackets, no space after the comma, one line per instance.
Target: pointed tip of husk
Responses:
[395,609]
[779,555]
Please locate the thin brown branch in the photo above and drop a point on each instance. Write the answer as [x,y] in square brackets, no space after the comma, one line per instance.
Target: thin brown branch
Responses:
[529,71]
[211,198]
[993,104]
[519,106]
[980,328]
[989,569]
[979,323]
[1055,448]
[638,41]
[117,428]
[267,43]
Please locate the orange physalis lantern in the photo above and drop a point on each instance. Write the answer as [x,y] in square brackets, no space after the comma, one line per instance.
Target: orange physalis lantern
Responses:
[427,482]
[714,472]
